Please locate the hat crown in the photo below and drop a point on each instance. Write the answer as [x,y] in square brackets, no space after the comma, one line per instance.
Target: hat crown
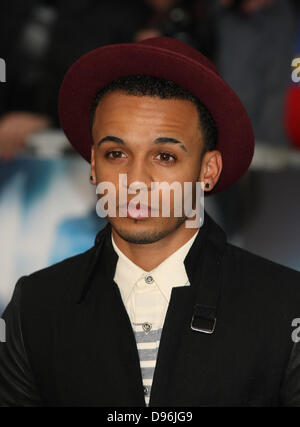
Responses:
[179,47]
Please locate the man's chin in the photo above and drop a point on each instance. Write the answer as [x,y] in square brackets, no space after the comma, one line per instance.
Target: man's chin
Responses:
[145,233]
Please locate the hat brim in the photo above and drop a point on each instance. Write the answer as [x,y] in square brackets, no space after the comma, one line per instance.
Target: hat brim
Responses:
[101,66]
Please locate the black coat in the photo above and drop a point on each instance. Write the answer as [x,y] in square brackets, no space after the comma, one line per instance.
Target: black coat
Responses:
[70,340]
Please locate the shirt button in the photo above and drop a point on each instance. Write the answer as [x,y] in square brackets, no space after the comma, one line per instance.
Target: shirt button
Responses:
[146,390]
[147,327]
[148,279]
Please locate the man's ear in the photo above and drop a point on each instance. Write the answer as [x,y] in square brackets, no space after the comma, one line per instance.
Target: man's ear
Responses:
[211,169]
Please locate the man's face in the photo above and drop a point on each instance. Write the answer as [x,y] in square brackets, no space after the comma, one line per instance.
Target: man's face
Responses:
[150,140]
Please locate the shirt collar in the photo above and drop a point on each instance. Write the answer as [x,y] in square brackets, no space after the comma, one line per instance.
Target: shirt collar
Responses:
[168,274]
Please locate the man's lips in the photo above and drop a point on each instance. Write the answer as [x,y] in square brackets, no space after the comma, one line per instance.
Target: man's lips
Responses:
[137,211]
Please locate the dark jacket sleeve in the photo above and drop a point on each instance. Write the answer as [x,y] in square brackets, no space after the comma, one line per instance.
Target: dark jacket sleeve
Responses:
[17,384]
[290,391]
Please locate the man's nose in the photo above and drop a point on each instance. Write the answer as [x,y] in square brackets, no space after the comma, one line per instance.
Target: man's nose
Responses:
[138,172]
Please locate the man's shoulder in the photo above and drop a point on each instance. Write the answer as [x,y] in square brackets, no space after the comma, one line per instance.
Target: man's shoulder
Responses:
[76,264]
[262,291]
[261,271]
[251,259]
[58,279]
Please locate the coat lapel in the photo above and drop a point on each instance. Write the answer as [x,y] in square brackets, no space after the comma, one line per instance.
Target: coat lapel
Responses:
[105,369]
[196,303]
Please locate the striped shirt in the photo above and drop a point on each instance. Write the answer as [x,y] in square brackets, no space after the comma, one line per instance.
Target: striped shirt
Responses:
[146,297]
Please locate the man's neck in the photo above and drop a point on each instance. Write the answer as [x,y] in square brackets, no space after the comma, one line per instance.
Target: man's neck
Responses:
[150,255]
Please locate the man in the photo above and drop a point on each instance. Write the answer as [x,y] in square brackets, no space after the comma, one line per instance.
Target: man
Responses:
[156,313]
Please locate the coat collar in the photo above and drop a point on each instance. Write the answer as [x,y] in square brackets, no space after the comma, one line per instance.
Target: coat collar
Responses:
[210,233]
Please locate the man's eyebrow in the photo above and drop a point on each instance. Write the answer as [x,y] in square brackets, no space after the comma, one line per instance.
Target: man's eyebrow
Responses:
[110,138]
[160,140]
[165,140]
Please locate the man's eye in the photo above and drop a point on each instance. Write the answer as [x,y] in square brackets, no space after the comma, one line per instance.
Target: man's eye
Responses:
[167,157]
[114,155]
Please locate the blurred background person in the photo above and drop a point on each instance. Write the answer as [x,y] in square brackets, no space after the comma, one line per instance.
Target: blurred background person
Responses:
[255,46]
[25,34]
[190,21]
[39,40]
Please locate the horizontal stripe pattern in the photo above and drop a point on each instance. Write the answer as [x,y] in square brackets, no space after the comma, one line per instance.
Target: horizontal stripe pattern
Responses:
[147,354]
[152,336]
[147,345]
[147,373]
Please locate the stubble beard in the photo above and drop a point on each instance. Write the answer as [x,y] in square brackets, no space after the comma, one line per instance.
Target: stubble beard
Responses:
[148,236]
[152,236]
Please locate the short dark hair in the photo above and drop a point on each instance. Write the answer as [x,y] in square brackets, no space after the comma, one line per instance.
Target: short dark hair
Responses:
[144,85]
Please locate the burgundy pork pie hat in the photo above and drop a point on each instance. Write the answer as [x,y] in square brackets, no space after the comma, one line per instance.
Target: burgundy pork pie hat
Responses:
[169,59]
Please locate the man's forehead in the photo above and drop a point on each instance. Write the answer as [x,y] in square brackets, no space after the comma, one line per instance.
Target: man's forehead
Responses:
[132,117]
[128,119]
[117,102]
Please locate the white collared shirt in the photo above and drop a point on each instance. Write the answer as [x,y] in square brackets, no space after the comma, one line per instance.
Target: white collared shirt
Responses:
[146,297]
